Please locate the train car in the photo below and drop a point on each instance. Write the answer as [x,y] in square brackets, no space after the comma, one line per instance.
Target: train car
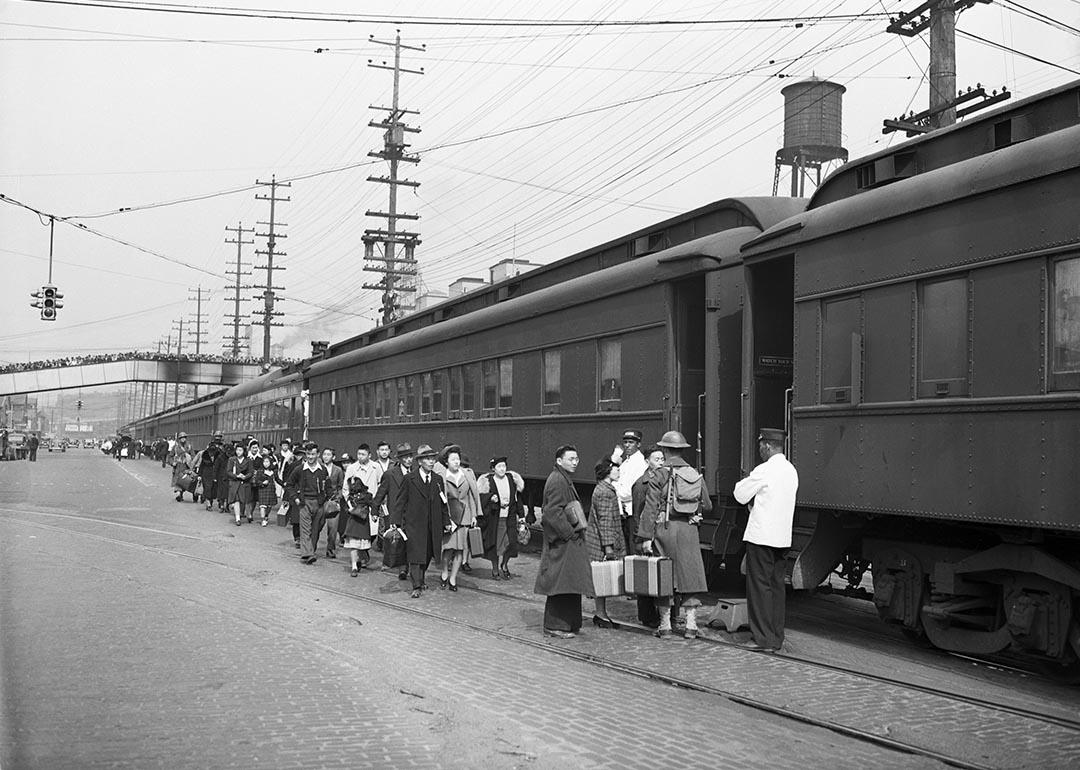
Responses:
[269,407]
[197,418]
[917,330]
[576,357]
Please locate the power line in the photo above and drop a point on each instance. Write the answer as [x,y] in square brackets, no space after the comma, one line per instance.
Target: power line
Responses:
[1010,49]
[442,21]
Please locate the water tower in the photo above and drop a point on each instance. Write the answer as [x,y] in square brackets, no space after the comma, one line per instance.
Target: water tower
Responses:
[812,110]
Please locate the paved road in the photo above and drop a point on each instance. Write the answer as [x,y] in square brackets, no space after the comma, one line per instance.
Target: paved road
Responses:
[137,632]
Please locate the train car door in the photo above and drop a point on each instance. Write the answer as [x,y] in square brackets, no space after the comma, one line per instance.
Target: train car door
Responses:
[768,333]
[688,314]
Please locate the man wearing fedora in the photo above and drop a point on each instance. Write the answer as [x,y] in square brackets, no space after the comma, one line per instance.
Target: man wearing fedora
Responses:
[389,490]
[770,492]
[422,510]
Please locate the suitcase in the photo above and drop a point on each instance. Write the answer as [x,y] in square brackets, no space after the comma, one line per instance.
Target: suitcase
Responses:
[649,575]
[476,541]
[607,578]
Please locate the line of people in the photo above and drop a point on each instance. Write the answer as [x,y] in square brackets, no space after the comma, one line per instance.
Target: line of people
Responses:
[440,510]
[647,503]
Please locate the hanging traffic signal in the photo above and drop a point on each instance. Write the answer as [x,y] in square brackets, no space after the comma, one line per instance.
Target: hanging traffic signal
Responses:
[50,302]
[78,404]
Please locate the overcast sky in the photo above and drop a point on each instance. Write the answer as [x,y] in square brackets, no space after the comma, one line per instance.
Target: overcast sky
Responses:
[537,141]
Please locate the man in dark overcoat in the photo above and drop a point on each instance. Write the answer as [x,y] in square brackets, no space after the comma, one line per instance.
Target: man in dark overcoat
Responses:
[422,508]
[34,443]
[386,497]
[221,466]
[207,468]
[564,562]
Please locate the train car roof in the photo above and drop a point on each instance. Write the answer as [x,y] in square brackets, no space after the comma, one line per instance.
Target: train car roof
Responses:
[1042,155]
[687,259]
[759,212]
[1043,113]
[270,379]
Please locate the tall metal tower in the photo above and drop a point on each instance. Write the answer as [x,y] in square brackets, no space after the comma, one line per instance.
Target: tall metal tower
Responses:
[242,269]
[398,270]
[268,296]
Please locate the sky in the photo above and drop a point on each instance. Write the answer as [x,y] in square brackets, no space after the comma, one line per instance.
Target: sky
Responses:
[546,128]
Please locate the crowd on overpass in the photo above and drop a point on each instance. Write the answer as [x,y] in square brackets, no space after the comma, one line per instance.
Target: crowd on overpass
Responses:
[133,355]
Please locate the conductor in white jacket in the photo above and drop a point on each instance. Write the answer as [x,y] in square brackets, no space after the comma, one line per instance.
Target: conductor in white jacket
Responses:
[769,490]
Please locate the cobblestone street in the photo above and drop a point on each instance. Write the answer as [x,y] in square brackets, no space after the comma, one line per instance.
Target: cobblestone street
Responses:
[138,632]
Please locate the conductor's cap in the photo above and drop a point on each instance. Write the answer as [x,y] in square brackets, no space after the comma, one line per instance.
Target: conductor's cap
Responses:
[772,434]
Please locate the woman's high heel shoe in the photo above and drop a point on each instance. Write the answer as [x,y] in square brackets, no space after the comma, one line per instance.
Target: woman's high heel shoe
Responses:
[444,582]
[600,622]
[452,587]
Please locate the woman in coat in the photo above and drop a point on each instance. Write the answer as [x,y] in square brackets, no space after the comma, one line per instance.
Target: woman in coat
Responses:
[264,485]
[604,537]
[564,573]
[463,504]
[239,473]
[500,503]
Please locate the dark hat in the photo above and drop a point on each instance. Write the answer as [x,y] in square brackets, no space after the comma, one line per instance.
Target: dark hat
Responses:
[632,434]
[181,434]
[405,450]
[771,434]
[444,455]
[425,451]
[345,458]
[673,440]
[219,434]
[497,459]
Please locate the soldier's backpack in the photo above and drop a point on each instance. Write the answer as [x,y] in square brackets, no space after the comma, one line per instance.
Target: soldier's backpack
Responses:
[685,491]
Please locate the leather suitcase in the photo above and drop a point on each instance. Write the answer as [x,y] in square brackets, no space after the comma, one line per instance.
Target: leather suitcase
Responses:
[649,575]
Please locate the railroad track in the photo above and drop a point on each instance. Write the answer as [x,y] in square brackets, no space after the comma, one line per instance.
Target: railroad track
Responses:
[533,641]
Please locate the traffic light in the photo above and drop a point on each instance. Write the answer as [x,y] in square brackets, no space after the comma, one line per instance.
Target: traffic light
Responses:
[48,301]
[78,404]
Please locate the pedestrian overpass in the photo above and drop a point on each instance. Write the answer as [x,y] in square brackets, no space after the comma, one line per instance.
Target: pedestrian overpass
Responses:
[144,368]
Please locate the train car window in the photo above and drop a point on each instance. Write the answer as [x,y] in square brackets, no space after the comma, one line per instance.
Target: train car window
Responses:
[455,392]
[839,321]
[437,393]
[425,394]
[469,375]
[380,400]
[400,407]
[335,412]
[410,395]
[552,396]
[506,383]
[610,369]
[490,373]
[943,338]
[1065,368]
[367,396]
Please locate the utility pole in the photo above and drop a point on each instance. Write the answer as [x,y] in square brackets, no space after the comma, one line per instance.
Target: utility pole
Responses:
[398,272]
[939,16]
[179,351]
[268,313]
[198,318]
[238,273]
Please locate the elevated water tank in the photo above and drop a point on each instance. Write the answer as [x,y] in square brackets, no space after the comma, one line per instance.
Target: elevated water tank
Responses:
[812,114]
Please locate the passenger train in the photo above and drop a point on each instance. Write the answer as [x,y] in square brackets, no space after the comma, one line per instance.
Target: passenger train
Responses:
[914,326]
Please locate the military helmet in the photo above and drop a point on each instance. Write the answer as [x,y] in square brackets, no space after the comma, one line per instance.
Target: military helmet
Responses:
[673,440]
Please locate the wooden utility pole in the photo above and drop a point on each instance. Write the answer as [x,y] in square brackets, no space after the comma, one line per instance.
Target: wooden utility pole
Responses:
[179,350]
[267,312]
[939,16]
[198,318]
[238,273]
[398,271]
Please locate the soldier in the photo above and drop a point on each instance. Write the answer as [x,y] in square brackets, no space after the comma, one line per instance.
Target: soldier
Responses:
[674,504]
[770,492]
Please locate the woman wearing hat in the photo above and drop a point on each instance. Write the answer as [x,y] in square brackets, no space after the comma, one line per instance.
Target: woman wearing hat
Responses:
[501,508]
[180,459]
[463,504]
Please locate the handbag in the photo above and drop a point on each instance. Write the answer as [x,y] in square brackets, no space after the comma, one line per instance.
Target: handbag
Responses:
[524,534]
[331,508]
[394,548]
